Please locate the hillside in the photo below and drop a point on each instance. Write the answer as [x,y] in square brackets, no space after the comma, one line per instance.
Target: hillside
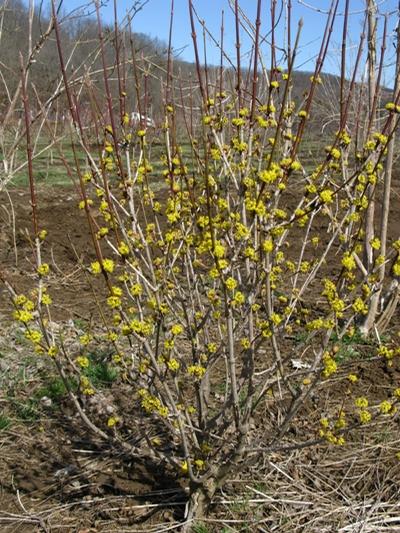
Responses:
[81,50]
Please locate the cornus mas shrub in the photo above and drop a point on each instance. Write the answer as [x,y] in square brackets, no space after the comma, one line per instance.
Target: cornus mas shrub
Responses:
[227,291]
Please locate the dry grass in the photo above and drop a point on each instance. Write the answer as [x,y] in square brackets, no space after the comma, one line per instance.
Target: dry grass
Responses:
[353,488]
[349,489]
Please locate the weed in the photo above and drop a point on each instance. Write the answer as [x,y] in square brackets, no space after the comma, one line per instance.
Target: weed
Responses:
[200,527]
[26,411]
[346,353]
[347,346]
[356,337]
[5,422]
[100,372]
[260,486]
[80,323]
[54,389]
[241,507]
[301,337]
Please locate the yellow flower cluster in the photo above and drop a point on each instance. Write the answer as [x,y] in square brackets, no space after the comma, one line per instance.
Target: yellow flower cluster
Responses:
[22,315]
[326,196]
[359,306]
[114,302]
[176,329]
[361,402]
[197,371]
[141,327]
[396,267]
[52,351]
[152,404]
[364,415]
[319,323]
[336,303]
[107,264]
[386,407]
[271,174]
[330,365]
[173,365]
[387,353]
[86,386]
[231,284]
[123,248]
[328,432]
[112,421]
[43,269]
[82,361]
[348,261]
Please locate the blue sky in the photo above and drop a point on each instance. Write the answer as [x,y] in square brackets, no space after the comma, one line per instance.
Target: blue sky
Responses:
[154,21]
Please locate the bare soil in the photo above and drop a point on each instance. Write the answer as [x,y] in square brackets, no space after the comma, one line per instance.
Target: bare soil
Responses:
[69,242]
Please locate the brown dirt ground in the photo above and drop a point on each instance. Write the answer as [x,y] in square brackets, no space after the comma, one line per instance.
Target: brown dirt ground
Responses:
[68,242]
[58,479]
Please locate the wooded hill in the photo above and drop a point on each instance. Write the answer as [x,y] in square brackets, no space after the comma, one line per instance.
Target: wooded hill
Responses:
[80,44]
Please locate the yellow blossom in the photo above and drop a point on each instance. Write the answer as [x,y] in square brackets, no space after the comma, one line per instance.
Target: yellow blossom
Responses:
[52,351]
[33,335]
[330,366]
[268,245]
[116,291]
[361,402]
[112,421]
[82,203]
[348,261]
[114,301]
[231,284]
[199,464]
[176,329]
[22,315]
[335,153]
[82,361]
[46,299]
[95,267]
[275,319]
[219,250]
[359,306]
[385,407]
[20,299]
[43,269]
[326,196]
[136,289]
[365,416]
[245,343]
[169,344]
[324,422]
[173,365]
[197,371]
[85,339]
[375,243]
[108,265]
[123,248]
[238,298]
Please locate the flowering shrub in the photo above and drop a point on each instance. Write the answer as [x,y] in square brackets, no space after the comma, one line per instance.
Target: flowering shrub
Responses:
[209,282]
